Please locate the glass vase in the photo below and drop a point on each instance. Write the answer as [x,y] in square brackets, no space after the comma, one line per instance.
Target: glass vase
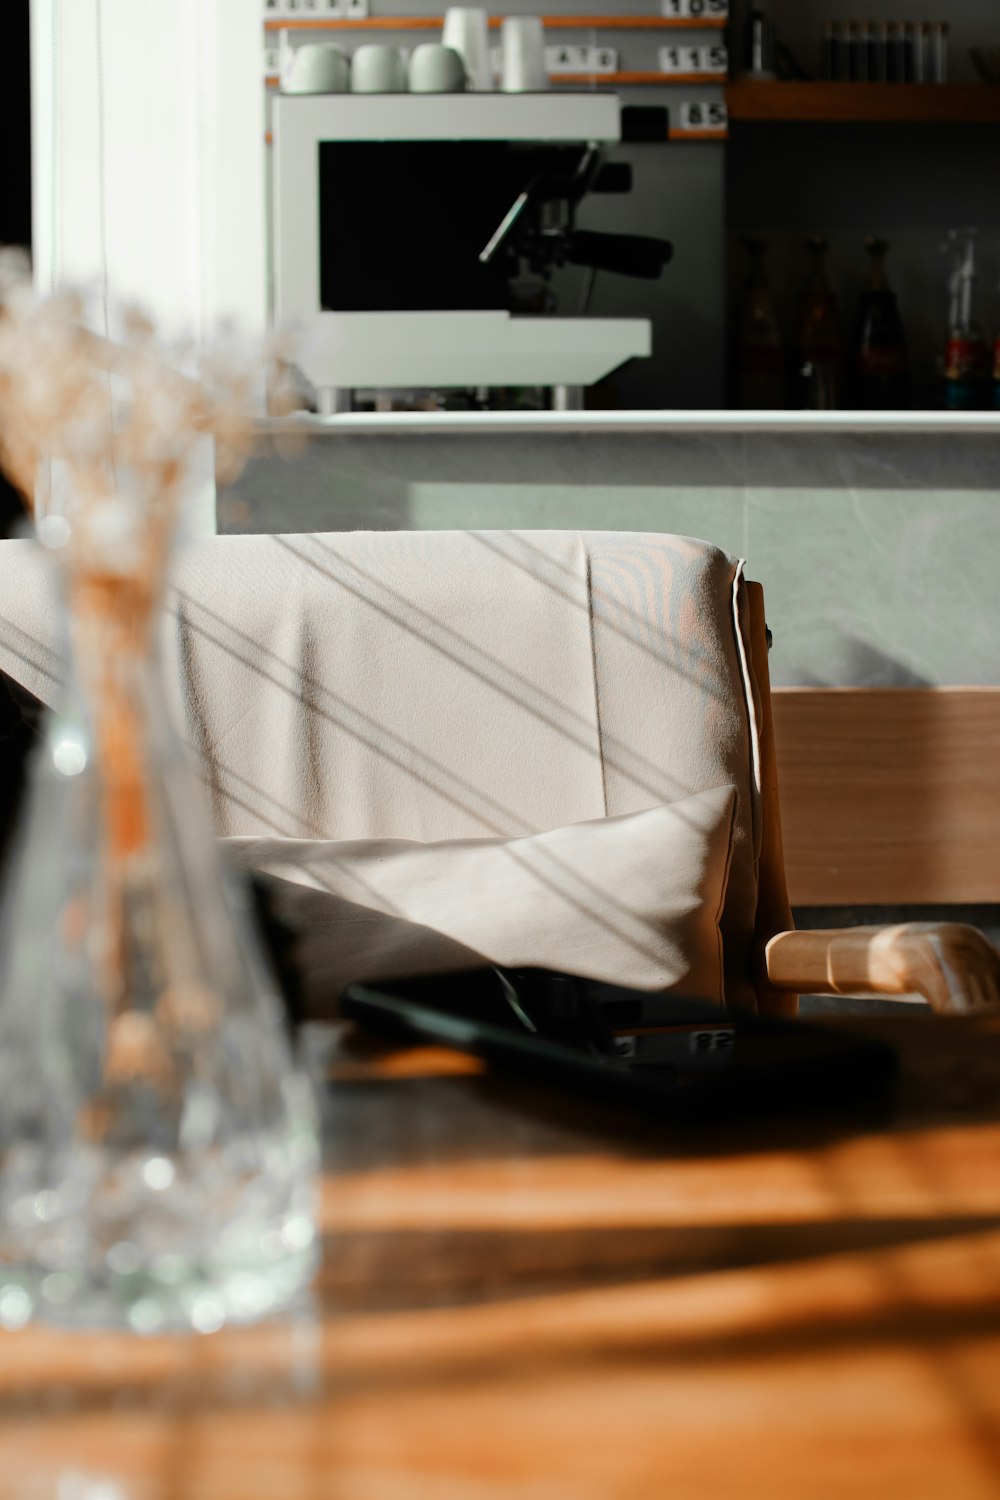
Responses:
[158,1145]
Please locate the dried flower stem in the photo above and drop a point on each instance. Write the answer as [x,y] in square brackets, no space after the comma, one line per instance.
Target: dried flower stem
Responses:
[126,423]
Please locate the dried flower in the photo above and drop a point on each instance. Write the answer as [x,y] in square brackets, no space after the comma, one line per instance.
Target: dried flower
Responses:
[120,415]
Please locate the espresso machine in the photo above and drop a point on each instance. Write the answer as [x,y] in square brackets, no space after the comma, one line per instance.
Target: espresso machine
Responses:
[415,239]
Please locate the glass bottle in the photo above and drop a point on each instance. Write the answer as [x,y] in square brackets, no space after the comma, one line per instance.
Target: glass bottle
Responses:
[858,53]
[880,365]
[967,359]
[829,52]
[895,67]
[820,374]
[158,1144]
[759,42]
[878,43]
[760,373]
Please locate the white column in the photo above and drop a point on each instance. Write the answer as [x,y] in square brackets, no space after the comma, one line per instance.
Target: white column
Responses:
[148,165]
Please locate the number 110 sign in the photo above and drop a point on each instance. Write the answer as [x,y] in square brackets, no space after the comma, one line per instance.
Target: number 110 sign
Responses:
[697,10]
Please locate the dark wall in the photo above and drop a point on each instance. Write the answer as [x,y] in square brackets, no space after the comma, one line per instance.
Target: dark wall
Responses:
[15,128]
[15,177]
[15,229]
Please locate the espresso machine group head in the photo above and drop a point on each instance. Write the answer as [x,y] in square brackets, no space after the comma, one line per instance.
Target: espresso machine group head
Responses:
[538,233]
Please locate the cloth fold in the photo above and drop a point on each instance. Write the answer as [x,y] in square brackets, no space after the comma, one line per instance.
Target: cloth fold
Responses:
[633,900]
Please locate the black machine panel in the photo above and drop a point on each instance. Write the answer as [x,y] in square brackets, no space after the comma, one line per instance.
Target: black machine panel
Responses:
[439,226]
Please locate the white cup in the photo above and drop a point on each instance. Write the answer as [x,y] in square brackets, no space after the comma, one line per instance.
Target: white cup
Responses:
[435,69]
[467,32]
[319,68]
[523,71]
[378,69]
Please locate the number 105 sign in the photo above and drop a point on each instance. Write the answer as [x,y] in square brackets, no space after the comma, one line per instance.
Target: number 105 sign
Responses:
[697,10]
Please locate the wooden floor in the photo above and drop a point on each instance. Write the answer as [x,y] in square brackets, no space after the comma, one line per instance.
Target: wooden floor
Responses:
[525,1299]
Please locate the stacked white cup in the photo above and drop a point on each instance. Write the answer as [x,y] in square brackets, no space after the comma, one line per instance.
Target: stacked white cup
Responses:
[435,69]
[524,70]
[319,68]
[466,30]
[378,69]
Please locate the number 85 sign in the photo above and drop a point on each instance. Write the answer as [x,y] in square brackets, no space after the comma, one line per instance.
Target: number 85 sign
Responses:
[699,119]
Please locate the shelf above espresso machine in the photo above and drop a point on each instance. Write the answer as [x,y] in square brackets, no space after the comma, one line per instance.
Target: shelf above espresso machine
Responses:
[303,119]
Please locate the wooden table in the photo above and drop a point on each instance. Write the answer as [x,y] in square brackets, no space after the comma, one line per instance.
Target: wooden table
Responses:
[529,1299]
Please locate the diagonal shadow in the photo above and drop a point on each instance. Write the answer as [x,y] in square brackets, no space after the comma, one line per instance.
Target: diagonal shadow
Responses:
[397,1270]
[603,897]
[19,644]
[206,1386]
[395,757]
[489,540]
[611,610]
[579,733]
[944,1363]
[556,882]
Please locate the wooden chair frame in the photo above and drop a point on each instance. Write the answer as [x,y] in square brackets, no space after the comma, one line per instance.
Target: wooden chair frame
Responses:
[952,966]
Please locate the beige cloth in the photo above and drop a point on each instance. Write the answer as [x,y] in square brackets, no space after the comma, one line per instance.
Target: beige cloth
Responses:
[441,685]
[634,900]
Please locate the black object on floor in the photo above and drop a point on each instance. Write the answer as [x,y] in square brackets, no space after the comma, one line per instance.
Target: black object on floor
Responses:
[659,1054]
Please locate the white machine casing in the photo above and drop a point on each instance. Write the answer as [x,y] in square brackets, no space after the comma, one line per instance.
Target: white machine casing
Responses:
[394,348]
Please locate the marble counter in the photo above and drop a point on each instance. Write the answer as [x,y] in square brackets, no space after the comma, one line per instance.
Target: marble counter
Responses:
[876,536]
[373,424]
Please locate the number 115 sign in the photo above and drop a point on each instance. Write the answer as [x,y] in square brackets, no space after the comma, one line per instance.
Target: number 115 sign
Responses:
[697,10]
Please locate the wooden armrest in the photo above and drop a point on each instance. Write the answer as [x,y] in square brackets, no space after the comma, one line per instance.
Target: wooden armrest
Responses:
[954,967]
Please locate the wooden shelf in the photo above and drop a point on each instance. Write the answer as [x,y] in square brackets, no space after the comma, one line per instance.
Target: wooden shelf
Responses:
[557,80]
[552,23]
[900,103]
[608,80]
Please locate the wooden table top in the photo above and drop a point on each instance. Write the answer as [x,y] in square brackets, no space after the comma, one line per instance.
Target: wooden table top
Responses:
[525,1298]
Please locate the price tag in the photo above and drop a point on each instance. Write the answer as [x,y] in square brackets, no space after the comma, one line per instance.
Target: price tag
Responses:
[564,60]
[603,60]
[355,10]
[580,60]
[719,1039]
[567,60]
[711,61]
[697,10]
[696,117]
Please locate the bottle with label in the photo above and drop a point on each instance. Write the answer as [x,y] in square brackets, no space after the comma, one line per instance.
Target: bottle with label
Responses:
[760,368]
[820,360]
[967,355]
[880,367]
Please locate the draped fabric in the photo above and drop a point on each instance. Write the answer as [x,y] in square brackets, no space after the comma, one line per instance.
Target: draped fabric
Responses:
[443,685]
